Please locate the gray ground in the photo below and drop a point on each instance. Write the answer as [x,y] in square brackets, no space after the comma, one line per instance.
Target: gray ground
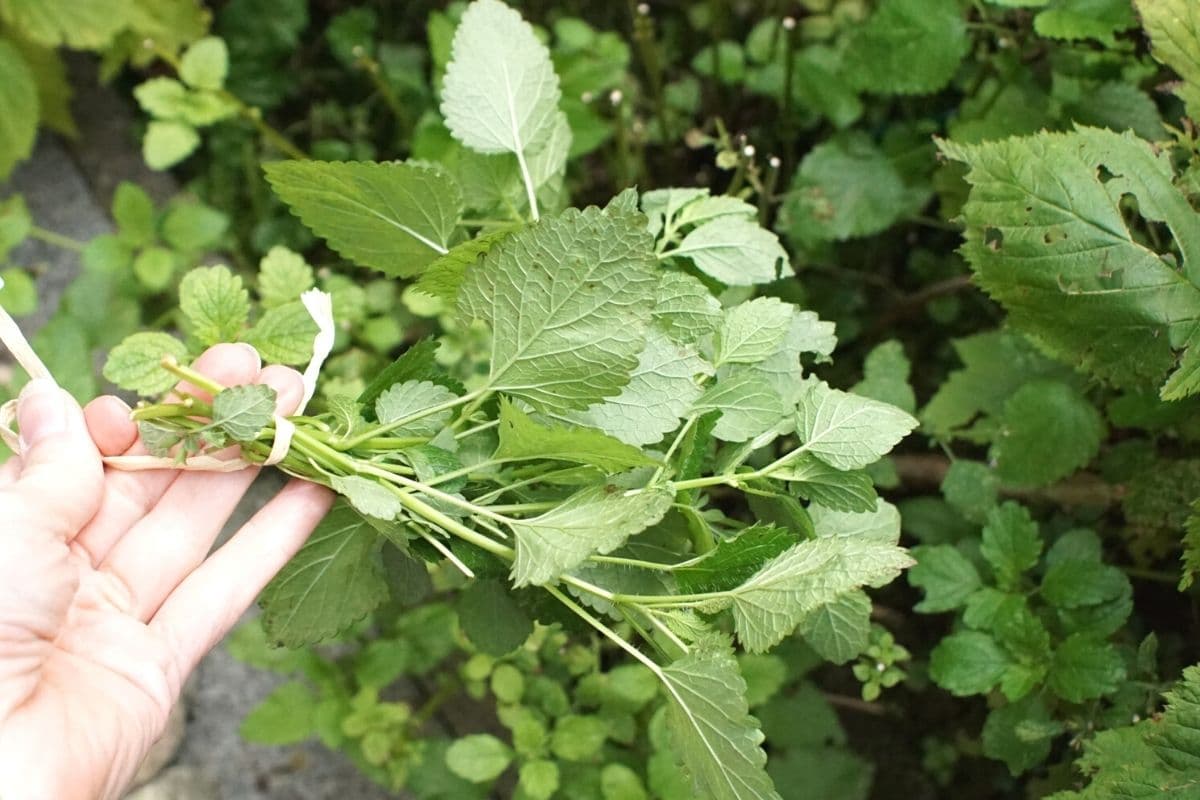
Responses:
[68,187]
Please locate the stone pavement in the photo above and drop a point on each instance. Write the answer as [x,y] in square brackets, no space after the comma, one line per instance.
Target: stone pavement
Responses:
[68,189]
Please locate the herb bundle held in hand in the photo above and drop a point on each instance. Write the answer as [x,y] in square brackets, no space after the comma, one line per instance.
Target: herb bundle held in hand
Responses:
[628,404]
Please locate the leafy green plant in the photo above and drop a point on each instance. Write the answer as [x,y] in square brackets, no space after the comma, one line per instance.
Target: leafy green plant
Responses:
[602,341]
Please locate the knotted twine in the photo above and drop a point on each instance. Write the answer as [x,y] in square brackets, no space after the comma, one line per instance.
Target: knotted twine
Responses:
[319,306]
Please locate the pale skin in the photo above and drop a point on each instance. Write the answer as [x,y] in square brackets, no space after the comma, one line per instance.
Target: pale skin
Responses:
[109,596]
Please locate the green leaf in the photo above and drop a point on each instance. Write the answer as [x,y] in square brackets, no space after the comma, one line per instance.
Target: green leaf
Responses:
[844,188]
[167,142]
[847,431]
[1174,30]
[82,26]
[417,363]
[734,251]
[1020,734]
[284,334]
[1039,220]
[283,275]
[773,601]
[539,779]
[491,619]
[879,525]
[995,365]
[619,782]
[907,47]
[1085,668]
[133,211]
[444,276]
[835,489]
[751,331]
[1085,19]
[335,580]
[1011,543]
[1191,547]
[1048,430]
[136,363]
[661,389]
[479,757]
[194,227]
[214,303]
[967,663]
[684,308]
[394,217]
[1073,583]
[567,333]
[971,488]
[594,520]
[286,716]
[733,561]
[18,292]
[205,64]
[403,400]
[578,737]
[839,630]
[368,497]
[748,404]
[946,575]
[243,411]
[15,223]
[154,268]
[500,93]
[1154,758]
[711,729]
[885,377]
[18,98]
[522,438]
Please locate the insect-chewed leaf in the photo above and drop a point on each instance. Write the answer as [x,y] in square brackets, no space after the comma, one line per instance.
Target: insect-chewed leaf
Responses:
[568,301]
[243,411]
[712,730]
[334,581]
[500,93]
[136,363]
[523,438]
[733,561]
[774,600]
[847,431]
[1041,213]
[393,217]
[660,390]
[214,303]
[595,520]
[405,400]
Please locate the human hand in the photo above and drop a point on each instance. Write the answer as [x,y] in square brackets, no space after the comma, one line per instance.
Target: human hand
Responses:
[108,595]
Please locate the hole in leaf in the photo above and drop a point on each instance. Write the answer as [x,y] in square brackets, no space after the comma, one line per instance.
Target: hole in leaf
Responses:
[993,238]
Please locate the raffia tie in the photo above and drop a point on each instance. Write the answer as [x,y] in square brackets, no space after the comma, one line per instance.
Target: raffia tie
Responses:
[319,306]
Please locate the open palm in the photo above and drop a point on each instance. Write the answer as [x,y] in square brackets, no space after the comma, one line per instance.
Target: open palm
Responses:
[108,595]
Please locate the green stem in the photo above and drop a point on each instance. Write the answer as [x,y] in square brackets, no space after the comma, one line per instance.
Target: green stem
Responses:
[605,630]
[373,70]
[56,239]
[375,431]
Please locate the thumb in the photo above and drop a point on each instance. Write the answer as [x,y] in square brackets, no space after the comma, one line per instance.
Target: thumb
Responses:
[62,477]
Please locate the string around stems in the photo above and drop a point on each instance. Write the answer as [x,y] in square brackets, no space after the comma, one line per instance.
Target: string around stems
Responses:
[319,305]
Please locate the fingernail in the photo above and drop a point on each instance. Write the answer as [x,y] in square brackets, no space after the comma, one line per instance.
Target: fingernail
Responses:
[41,411]
[253,352]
